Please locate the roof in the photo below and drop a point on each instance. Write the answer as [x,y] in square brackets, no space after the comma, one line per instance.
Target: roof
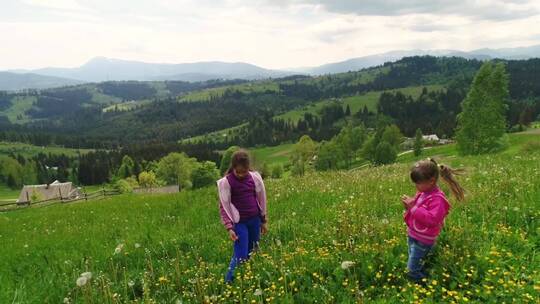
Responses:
[430,137]
[47,192]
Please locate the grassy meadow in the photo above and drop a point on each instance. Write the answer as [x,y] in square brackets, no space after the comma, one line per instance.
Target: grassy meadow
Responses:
[29,150]
[173,249]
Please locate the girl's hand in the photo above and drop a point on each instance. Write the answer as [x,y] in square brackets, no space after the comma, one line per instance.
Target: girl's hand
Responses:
[407,201]
[264,228]
[233,235]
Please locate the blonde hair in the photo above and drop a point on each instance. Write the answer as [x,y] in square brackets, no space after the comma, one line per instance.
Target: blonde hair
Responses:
[424,170]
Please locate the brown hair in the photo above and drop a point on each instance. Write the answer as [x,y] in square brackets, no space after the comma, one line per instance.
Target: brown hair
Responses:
[239,158]
[424,170]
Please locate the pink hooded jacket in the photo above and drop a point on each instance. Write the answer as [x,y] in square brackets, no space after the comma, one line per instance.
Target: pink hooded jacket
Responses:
[426,218]
[229,213]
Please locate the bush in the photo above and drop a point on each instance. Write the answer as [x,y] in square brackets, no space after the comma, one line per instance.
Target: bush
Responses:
[277,171]
[123,186]
[205,174]
[148,179]
[517,128]
[385,153]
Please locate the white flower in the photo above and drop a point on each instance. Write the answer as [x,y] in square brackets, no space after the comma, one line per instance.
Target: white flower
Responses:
[385,221]
[278,242]
[347,264]
[131,283]
[294,214]
[66,301]
[87,275]
[257,292]
[137,245]
[118,249]
[81,281]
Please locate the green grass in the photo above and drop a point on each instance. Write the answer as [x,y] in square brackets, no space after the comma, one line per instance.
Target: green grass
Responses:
[216,136]
[273,155]
[28,150]
[126,106]
[173,247]
[356,102]
[19,105]
[8,194]
[256,86]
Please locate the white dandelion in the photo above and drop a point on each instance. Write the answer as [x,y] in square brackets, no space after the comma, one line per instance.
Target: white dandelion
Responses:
[87,275]
[258,292]
[137,245]
[81,281]
[347,264]
[118,249]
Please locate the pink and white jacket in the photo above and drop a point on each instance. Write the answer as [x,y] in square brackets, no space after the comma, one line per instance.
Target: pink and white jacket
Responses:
[229,213]
[426,218]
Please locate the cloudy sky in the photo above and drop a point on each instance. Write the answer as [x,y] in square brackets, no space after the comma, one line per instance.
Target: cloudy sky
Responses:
[269,33]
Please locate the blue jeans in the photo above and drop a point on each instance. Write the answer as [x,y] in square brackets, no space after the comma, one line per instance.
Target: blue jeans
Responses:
[249,233]
[417,254]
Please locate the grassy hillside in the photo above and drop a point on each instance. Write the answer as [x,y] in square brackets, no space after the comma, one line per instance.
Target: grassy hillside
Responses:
[172,247]
[28,150]
[250,87]
[8,194]
[356,103]
[273,155]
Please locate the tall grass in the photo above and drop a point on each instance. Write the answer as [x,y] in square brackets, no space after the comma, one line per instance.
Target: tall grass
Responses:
[172,248]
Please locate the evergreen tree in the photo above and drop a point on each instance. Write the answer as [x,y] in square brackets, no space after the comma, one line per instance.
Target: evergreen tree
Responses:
[482,123]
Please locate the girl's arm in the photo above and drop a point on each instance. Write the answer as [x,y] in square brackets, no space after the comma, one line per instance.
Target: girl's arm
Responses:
[433,213]
[261,197]
[225,220]
[223,193]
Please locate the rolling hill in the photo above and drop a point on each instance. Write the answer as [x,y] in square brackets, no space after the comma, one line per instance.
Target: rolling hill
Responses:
[15,82]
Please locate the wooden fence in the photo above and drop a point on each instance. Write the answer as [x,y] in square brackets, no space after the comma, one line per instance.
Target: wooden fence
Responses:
[10,206]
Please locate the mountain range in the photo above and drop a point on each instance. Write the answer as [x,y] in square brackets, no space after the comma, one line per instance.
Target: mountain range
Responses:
[106,69]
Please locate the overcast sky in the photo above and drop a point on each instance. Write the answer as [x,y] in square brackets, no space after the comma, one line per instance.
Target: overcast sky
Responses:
[270,33]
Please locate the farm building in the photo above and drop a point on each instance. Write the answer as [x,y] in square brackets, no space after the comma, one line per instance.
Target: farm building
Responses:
[56,190]
[431,137]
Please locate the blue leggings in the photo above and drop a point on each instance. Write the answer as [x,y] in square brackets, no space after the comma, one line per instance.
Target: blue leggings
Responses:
[248,232]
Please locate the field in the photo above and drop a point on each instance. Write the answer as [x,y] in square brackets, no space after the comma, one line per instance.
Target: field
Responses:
[172,248]
[273,155]
[257,86]
[356,103]
[8,194]
[28,150]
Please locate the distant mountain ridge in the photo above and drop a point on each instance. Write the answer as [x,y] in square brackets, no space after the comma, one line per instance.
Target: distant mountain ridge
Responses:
[104,69]
[101,69]
[20,81]
[359,63]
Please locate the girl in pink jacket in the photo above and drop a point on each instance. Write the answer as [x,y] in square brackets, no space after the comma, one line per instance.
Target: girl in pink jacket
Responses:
[425,212]
[242,198]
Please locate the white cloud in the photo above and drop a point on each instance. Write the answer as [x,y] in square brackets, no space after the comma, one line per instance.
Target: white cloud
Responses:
[39,33]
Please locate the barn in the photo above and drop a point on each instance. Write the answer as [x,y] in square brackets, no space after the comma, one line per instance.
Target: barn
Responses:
[56,190]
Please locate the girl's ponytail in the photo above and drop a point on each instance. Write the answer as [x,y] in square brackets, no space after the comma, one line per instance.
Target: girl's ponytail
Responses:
[426,169]
[448,175]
